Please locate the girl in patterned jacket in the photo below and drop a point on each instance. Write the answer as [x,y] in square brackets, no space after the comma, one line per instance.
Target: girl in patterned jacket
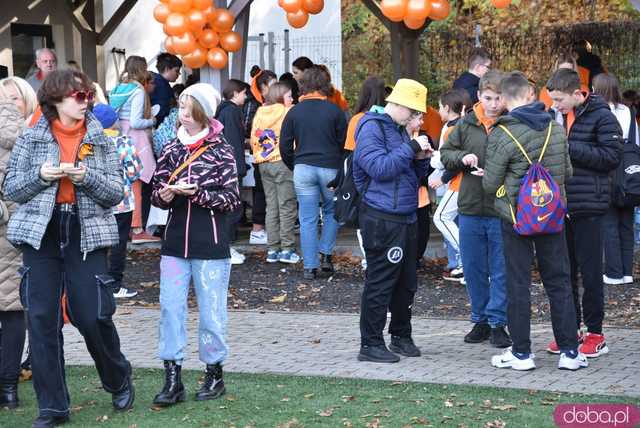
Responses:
[196,180]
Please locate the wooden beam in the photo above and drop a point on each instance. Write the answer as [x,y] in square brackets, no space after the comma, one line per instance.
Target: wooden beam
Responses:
[239,63]
[115,20]
[377,12]
[238,6]
[80,26]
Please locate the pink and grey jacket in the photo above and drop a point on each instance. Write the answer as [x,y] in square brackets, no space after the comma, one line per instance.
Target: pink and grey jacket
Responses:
[197,226]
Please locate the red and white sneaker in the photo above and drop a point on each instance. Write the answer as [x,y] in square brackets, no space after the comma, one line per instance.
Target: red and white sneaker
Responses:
[593,345]
[553,346]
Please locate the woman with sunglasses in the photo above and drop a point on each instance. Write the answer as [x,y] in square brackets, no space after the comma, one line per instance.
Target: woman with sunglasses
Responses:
[64,172]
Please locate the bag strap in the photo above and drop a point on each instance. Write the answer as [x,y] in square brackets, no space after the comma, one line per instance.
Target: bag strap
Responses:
[186,163]
[633,127]
[544,147]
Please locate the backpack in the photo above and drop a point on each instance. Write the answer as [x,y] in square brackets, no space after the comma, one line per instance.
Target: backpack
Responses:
[626,178]
[541,209]
[346,197]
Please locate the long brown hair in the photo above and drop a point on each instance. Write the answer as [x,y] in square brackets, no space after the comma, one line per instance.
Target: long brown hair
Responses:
[135,69]
[606,85]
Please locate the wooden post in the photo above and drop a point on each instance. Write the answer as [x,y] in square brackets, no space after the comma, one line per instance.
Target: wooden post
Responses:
[239,64]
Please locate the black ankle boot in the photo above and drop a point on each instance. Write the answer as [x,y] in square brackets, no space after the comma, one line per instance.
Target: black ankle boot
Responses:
[326,265]
[50,421]
[9,394]
[213,386]
[310,274]
[173,391]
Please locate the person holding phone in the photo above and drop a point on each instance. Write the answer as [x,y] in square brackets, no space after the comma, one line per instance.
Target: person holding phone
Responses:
[64,173]
[196,180]
[387,168]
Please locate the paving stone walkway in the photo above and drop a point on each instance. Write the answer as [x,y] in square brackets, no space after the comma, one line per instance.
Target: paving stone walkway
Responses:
[327,345]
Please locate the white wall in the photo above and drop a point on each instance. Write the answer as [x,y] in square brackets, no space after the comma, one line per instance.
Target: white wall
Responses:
[140,34]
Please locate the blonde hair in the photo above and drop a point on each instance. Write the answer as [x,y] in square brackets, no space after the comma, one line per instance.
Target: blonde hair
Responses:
[196,110]
[25,91]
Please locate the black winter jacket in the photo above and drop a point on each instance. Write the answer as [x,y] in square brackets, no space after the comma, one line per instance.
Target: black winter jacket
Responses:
[230,115]
[595,148]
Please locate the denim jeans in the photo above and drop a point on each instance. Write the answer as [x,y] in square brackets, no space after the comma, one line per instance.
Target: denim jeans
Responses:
[310,183]
[484,268]
[211,281]
[617,231]
[453,256]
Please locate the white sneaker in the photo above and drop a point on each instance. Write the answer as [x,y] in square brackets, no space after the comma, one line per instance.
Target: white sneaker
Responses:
[258,238]
[236,257]
[627,280]
[463,281]
[124,293]
[508,360]
[612,281]
[363,263]
[566,363]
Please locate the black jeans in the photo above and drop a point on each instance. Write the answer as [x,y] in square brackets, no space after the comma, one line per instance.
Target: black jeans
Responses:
[424,230]
[60,265]
[118,254]
[617,230]
[553,263]
[390,245]
[12,343]
[259,208]
[584,240]
[147,190]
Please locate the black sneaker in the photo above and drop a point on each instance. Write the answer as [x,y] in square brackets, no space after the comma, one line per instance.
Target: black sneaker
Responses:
[500,338]
[478,334]
[310,273]
[377,354]
[404,346]
[50,421]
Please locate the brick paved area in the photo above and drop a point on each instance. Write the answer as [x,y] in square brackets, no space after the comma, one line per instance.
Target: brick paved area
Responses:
[327,344]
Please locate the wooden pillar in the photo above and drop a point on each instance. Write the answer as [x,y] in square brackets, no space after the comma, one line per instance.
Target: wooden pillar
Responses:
[239,63]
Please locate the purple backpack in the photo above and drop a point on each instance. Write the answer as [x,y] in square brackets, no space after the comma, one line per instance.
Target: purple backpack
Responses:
[541,209]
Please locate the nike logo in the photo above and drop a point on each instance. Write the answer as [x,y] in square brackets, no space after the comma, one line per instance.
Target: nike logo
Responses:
[544,217]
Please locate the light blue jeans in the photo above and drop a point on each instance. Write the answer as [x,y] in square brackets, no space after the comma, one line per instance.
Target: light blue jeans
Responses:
[310,183]
[211,281]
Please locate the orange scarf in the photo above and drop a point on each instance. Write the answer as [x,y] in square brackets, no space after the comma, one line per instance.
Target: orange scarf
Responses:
[254,88]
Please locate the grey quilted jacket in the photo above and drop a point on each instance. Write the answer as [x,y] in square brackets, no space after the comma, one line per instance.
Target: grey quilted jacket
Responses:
[101,190]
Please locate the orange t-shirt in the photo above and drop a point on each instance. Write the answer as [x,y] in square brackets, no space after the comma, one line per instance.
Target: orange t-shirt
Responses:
[432,123]
[68,139]
[546,99]
[338,99]
[350,142]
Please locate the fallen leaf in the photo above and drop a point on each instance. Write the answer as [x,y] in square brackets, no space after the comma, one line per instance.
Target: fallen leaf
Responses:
[293,423]
[495,424]
[102,418]
[308,396]
[326,413]
[285,399]
[231,398]
[374,424]
[346,398]
[279,299]
[448,403]
[504,407]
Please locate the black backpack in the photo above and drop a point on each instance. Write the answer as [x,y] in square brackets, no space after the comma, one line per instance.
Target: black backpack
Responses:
[626,178]
[346,197]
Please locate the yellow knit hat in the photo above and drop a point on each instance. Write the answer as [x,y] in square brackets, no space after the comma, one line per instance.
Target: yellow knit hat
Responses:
[409,93]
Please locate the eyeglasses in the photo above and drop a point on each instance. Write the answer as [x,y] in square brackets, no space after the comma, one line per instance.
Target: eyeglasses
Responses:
[82,96]
[416,114]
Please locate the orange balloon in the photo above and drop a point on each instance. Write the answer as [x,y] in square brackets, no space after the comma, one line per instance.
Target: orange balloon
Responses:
[180,6]
[501,4]
[417,10]
[298,19]
[196,19]
[209,13]
[208,39]
[217,58]
[175,25]
[164,1]
[314,7]
[222,21]
[414,24]
[161,12]
[280,3]
[395,10]
[201,4]
[231,41]
[196,59]
[439,9]
[184,44]
[291,6]
[168,45]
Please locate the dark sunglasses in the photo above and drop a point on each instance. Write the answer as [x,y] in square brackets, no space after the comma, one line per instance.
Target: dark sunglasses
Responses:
[82,96]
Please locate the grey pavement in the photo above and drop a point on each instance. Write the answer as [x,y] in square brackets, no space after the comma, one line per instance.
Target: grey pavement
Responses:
[327,344]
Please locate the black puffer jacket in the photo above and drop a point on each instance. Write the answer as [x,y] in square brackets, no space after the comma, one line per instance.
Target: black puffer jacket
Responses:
[595,148]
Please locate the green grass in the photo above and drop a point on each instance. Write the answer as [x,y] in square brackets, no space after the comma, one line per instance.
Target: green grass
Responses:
[294,402]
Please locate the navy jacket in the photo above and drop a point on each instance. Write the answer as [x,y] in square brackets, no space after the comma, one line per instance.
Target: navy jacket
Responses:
[595,148]
[230,115]
[162,95]
[469,82]
[388,163]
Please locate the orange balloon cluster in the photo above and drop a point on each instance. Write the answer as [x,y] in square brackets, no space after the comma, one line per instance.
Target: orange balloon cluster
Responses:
[298,11]
[198,32]
[414,13]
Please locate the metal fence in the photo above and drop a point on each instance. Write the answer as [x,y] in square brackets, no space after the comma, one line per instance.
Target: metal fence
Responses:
[277,51]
